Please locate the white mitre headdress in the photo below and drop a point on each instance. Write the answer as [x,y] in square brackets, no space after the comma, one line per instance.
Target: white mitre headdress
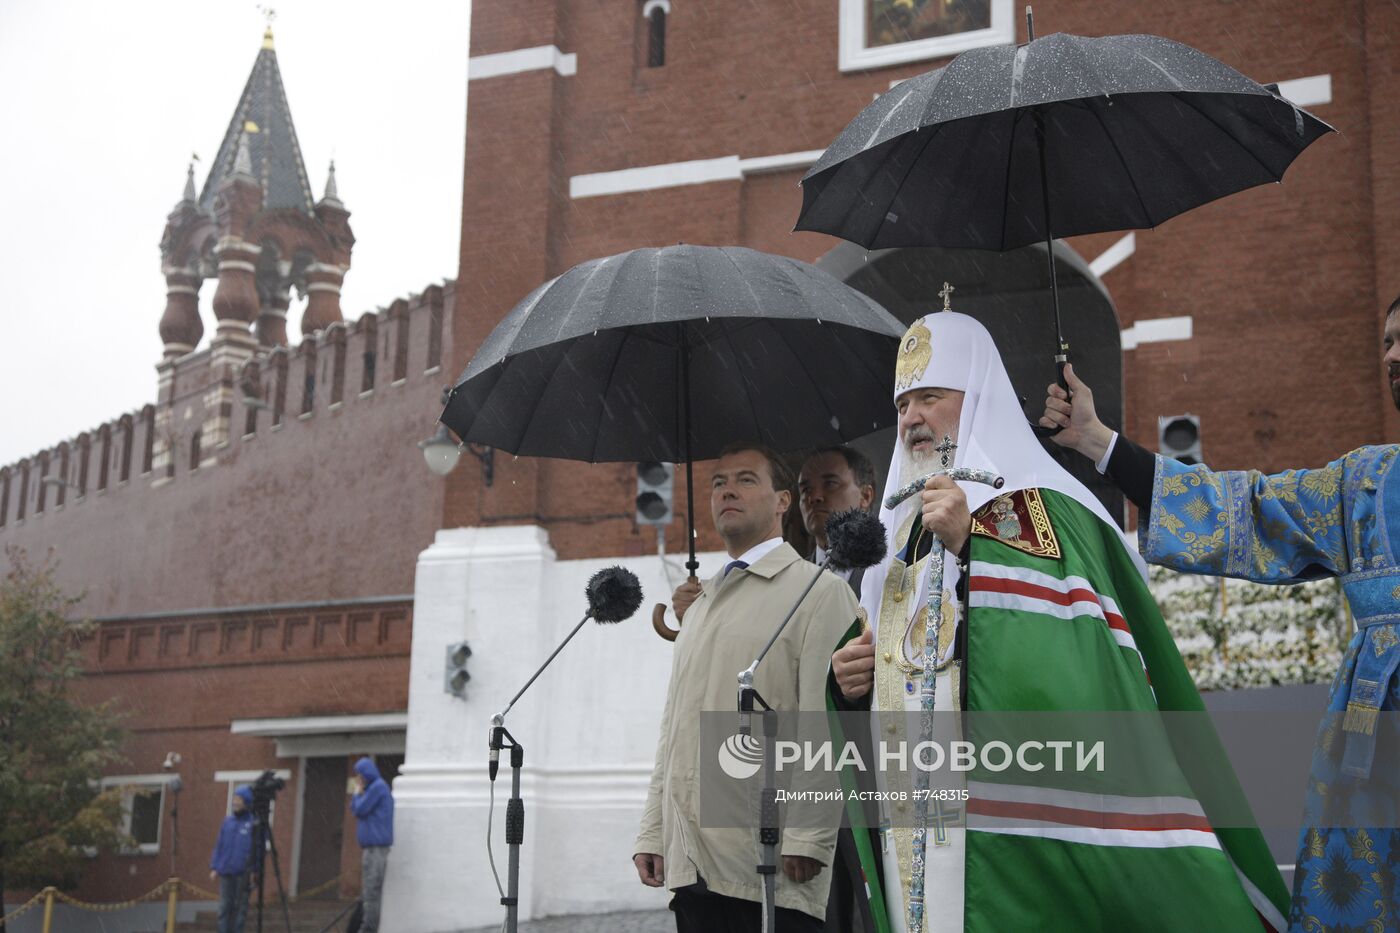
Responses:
[948,350]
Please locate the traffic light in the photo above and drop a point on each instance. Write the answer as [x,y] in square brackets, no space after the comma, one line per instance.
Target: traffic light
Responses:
[455,676]
[1179,437]
[655,484]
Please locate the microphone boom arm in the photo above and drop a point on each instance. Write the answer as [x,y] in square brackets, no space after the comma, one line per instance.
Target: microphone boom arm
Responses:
[500,718]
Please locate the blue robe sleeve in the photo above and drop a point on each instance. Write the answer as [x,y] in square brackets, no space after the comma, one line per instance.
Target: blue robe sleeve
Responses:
[1285,528]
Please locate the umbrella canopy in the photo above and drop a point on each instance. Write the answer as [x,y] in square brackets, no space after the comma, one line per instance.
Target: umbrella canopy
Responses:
[602,363]
[1133,130]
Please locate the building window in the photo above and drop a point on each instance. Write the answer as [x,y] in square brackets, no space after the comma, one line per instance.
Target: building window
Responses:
[143,809]
[876,33]
[195,440]
[655,12]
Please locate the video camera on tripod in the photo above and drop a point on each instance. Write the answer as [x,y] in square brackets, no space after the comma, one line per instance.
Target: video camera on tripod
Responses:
[265,790]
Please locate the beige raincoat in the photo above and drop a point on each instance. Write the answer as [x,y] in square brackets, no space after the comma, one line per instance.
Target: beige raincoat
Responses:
[723,632]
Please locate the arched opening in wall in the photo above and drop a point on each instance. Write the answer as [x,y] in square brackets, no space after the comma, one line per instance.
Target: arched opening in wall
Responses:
[84,455]
[128,430]
[23,490]
[65,477]
[104,446]
[148,444]
[1009,293]
[195,440]
[43,486]
[654,16]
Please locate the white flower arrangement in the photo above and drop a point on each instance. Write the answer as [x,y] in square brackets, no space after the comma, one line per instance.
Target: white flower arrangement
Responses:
[1233,634]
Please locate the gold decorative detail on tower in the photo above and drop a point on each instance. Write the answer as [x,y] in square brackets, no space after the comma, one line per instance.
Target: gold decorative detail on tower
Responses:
[946,294]
[269,14]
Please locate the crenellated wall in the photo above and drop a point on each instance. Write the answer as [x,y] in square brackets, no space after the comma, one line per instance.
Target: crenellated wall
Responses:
[294,477]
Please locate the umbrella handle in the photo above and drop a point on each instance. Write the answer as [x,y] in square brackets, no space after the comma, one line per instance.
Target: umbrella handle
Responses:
[1061,359]
[658,622]
[658,617]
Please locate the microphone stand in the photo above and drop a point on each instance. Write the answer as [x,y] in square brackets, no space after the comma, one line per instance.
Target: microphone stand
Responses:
[515,809]
[768,822]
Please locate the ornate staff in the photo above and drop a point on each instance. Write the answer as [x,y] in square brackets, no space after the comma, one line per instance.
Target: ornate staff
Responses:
[932,651]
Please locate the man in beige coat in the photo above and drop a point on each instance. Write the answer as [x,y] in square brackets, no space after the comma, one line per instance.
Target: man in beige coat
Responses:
[726,625]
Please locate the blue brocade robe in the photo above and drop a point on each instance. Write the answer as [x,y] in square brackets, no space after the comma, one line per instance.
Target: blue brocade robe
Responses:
[1342,520]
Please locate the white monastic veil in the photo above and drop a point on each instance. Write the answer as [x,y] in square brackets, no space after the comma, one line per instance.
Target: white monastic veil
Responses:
[993,434]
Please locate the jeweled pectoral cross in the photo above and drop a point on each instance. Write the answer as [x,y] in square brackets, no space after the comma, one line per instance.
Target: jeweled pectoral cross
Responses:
[946,294]
[945,449]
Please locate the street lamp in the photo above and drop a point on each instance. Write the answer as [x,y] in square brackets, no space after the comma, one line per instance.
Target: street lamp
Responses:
[440,451]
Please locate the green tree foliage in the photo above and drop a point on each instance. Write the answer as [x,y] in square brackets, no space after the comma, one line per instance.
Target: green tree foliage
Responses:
[53,748]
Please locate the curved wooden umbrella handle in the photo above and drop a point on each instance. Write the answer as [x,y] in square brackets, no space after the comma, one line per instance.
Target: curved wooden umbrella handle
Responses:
[658,617]
[658,622]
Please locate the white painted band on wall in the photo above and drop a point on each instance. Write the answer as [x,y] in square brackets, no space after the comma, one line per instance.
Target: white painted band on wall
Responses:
[779,163]
[323,287]
[326,268]
[1157,330]
[233,242]
[497,64]
[1110,258]
[238,265]
[181,290]
[694,172]
[1308,92]
[652,177]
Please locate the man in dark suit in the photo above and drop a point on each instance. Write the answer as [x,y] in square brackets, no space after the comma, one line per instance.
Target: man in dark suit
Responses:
[832,480]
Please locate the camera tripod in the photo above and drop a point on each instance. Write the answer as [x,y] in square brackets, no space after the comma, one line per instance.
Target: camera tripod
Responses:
[262,844]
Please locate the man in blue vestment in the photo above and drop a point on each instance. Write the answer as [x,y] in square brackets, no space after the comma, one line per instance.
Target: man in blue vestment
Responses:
[1342,520]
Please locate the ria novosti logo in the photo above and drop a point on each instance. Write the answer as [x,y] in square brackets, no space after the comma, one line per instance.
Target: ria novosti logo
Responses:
[740,756]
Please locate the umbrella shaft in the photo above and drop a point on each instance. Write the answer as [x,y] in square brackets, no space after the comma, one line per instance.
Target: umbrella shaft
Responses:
[692,564]
[1060,345]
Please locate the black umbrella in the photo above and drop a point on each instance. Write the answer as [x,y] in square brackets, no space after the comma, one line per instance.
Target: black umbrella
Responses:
[1011,145]
[670,354]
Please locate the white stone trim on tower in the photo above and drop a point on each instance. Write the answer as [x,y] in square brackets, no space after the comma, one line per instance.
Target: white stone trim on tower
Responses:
[1112,257]
[694,172]
[497,64]
[1312,91]
[1157,330]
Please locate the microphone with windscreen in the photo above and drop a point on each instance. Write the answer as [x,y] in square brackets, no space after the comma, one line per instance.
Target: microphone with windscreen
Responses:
[614,594]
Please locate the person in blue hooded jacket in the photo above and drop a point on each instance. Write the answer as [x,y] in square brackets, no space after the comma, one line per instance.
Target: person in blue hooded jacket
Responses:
[373,806]
[230,863]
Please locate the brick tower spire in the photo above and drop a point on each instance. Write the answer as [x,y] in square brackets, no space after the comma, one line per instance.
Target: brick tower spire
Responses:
[255,226]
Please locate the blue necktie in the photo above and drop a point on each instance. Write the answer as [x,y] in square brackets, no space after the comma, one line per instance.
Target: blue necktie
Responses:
[741,564]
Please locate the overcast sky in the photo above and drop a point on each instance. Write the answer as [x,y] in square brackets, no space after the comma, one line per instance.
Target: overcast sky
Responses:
[103,104]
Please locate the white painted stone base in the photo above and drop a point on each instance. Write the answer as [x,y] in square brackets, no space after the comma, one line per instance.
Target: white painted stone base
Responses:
[588,725]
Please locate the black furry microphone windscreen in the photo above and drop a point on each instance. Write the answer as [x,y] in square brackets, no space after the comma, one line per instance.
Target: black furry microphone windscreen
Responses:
[614,594]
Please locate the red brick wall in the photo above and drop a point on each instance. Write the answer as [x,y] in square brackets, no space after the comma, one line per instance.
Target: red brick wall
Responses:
[1284,283]
[333,504]
[179,682]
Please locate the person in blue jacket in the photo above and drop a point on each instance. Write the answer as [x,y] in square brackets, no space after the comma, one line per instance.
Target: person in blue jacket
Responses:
[373,806]
[230,863]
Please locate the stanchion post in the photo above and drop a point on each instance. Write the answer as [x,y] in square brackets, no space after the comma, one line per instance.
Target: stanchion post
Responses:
[48,910]
[171,904]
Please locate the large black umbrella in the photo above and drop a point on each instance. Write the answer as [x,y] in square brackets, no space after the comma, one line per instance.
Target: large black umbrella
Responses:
[1066,135]
[670,354]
